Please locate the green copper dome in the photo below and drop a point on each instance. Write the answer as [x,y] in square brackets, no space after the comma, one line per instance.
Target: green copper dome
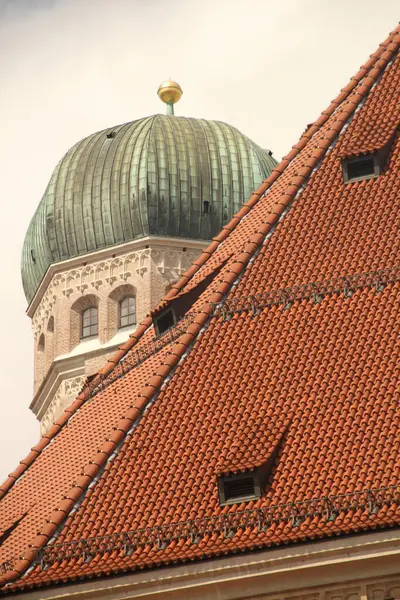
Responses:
[162,175]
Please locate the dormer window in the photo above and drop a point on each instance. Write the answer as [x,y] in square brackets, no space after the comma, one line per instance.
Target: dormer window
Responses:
[361,167]
[248,484]
[241,487]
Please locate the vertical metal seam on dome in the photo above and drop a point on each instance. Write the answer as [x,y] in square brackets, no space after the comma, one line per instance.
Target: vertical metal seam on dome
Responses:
[85,184]
[109,235]
[223,177]
[141,157]
[51,235]
[242,192]
[31,261]
[181,122]
[100,225]
[197,167]
[232,148]
[218,157]
[208,222]
[145,146]
[90,147]
[170,150]
[141,133]
[61,232]
[183,154]
[153,149]
[121,141]
[113,207]
[175,203]
[68,213]
[160,149]
[123,190]
[56,252]
[252,183]
[76,204]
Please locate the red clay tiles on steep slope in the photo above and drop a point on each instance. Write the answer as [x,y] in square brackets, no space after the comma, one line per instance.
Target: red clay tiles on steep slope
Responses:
[322,377]
[326,373]
[63,461]
[372,128]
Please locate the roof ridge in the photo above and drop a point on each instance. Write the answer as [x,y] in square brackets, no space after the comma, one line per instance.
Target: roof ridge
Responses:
[281,167]
[344,109]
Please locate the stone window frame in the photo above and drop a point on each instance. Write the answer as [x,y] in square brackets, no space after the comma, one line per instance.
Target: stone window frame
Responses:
[115,297]
[76,311]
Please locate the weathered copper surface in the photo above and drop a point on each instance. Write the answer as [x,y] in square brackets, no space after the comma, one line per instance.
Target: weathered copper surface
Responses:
[147,177]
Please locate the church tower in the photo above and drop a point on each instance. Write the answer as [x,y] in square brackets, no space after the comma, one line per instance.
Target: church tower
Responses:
[126,211]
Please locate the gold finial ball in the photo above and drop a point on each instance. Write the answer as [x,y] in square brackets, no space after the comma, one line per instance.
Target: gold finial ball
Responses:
[170,92]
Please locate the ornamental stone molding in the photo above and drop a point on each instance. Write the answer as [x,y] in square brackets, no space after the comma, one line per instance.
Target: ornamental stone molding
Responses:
[91,277]
[384,590]
[67,391]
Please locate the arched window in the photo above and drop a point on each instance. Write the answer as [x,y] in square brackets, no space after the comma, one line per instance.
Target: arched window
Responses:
[41,343]
[127,311]
[50,325]
[90,322]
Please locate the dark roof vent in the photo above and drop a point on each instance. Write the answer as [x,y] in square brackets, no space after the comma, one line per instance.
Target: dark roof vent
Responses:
[239,488]
[111,134]
[164,321]
[181,304]
[361,167]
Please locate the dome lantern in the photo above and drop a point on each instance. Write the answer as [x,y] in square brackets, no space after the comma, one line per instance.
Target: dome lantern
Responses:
[170,92]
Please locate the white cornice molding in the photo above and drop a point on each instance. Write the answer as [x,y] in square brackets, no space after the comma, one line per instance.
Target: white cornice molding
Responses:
[65,368]
[58,371]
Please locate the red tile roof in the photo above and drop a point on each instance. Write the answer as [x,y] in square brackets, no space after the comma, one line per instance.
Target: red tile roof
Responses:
[372,128]
[294,346]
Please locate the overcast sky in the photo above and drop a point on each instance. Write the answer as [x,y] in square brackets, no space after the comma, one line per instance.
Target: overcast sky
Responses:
[71,67]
